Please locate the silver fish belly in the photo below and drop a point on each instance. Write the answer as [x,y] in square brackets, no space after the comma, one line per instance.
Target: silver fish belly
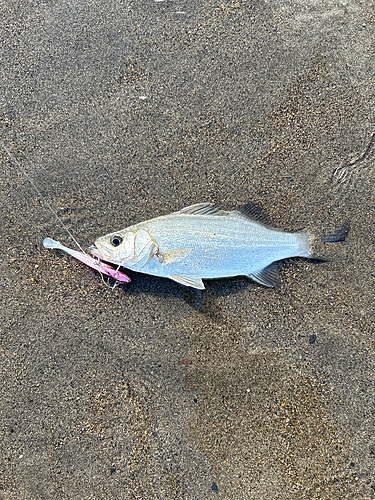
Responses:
[202,242]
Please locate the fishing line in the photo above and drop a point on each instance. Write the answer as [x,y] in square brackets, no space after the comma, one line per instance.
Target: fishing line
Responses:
[45,202]
[40,195]
[111,287]
[52,210]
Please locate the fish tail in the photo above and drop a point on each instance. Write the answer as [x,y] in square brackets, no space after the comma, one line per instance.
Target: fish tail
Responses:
[338,235]
[306,244]
[316,249]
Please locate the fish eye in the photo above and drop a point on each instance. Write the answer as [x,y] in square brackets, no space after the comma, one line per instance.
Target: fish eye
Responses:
[116,240]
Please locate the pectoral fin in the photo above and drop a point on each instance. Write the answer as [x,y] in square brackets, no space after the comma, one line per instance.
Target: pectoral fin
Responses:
[269,276]
[186,280]
[172,255]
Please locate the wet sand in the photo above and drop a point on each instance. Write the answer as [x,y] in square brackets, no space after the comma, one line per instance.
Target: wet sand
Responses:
[122,111]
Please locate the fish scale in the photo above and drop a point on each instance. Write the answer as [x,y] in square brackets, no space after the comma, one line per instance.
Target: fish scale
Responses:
[221,248]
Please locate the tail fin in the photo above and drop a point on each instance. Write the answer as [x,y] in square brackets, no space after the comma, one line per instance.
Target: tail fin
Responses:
[338,235]
[316,247]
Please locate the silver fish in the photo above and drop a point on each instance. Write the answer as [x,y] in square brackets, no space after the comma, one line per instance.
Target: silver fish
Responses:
[203,242]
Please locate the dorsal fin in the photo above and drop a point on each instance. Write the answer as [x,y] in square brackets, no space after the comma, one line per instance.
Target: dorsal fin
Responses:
[254,212]
[202,209]
[249,211]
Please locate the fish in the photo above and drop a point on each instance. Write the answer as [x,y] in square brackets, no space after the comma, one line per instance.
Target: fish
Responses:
[202,242]
[89,261]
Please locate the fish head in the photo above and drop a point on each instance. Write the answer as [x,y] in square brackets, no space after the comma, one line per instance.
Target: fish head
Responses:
[115,247]
[133,247]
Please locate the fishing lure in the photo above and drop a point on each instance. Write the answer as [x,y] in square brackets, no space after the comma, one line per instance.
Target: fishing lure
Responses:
[89,261]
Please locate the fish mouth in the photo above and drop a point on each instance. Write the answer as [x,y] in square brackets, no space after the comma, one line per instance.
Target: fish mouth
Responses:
[101,254]
[94,251]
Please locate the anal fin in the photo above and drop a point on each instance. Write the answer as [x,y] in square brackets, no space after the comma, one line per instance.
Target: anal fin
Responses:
[268,276]
[187,280]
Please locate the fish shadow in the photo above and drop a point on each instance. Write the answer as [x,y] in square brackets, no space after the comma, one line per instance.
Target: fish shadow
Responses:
[221,287]
[163,287]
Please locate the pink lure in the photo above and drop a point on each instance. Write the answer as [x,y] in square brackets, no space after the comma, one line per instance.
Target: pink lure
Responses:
[90,261]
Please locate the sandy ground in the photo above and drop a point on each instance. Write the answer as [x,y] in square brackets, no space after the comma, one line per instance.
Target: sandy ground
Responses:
[121,111]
